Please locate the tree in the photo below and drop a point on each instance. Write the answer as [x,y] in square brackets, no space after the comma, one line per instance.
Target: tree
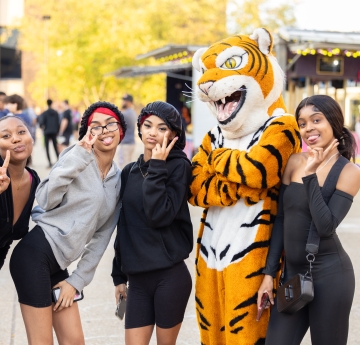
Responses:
[87,39]
[247,15]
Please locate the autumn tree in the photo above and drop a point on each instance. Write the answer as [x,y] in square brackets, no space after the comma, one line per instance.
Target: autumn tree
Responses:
[247,15]
[84,40]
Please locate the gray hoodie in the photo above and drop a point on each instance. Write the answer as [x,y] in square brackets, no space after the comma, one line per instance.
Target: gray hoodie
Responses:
[78,212]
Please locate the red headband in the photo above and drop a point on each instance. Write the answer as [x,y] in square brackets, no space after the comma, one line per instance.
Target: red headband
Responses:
[106,111]
[144,118]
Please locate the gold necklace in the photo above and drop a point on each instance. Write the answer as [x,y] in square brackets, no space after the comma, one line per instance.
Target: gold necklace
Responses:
[18,186]
[335,154]
[141,170]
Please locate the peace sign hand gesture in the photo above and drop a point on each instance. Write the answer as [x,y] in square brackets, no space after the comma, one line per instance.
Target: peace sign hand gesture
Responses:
[87,141]
[4,179]
[317,156]
[161,152]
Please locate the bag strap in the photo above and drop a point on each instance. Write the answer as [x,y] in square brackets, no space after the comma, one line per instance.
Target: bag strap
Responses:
[313,241]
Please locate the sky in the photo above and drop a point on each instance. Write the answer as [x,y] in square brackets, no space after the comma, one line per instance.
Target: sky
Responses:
[332,15]
[10,10]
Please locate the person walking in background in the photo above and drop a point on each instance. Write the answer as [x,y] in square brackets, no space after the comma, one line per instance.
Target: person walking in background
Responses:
[16,105]
[357,130]
[154,233]
[70,224]
[301,203]
[127,146]
[31,113]
[76,117]
[49,122]
[3,110]
[66,126]
[18,182]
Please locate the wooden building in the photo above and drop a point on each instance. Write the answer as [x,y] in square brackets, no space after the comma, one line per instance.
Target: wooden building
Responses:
[321,62]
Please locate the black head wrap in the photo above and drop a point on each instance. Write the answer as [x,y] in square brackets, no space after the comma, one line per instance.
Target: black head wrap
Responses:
[170,116]
[87,113]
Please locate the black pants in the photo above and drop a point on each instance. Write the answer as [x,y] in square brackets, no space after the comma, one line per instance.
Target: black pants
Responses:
[158,297]
[51,137]
[327,315]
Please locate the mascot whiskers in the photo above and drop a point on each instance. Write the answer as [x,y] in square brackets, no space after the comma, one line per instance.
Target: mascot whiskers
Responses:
[236,178]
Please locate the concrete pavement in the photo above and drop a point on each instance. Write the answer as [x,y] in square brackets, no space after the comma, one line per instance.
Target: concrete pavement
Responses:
[100,325]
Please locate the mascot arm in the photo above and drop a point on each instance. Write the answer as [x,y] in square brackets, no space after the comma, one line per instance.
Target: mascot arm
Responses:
[263,166]
[208,188]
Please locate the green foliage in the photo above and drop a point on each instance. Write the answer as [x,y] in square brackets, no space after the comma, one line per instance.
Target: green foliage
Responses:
[87,39]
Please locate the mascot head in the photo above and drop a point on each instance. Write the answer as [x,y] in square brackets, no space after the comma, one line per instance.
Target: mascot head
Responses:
[241,82]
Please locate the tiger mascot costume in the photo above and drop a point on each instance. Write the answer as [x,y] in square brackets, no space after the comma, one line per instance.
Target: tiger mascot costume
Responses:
[236,178]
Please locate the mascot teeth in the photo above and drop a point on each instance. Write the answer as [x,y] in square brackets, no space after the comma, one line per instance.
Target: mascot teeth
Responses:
[228,107]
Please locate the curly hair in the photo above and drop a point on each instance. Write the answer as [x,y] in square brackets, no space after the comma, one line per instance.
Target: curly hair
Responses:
[101,104]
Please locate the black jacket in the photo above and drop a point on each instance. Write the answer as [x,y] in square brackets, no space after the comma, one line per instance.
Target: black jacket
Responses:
[154,229]
[9,232]
[49,121]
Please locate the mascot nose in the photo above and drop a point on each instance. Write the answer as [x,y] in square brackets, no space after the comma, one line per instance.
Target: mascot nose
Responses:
[205,87]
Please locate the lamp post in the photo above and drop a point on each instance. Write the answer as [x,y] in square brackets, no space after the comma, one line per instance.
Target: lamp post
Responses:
[46,19]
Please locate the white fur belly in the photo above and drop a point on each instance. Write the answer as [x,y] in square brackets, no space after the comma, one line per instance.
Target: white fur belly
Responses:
[228,232]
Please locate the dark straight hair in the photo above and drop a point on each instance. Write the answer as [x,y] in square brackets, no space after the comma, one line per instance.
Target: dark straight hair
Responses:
[333,113]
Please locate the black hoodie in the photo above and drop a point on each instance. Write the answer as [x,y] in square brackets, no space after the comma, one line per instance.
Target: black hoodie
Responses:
[49,121]
[154,229]
[8,231]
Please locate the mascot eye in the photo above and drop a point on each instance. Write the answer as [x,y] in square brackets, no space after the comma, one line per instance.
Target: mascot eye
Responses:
[232,63]
[202,70]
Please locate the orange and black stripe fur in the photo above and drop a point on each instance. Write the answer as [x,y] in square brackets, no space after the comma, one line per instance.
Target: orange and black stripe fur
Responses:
[236,178]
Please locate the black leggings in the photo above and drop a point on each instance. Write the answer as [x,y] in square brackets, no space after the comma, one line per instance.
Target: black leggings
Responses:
[158,297]
[327,315]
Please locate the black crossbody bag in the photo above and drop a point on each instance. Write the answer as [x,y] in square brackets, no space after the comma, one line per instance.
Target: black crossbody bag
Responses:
[299,290]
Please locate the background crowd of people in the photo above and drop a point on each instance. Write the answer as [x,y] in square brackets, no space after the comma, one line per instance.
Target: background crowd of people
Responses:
[59,122]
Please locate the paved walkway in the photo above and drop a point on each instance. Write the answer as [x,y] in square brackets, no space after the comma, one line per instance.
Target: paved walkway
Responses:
[100,325]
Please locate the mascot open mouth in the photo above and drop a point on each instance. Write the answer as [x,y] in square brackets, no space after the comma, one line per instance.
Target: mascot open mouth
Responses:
[228,107]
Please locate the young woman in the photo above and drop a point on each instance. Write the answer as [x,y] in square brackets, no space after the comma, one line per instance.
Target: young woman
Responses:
[321,124]
[78,207]
[18,182]
[154,231]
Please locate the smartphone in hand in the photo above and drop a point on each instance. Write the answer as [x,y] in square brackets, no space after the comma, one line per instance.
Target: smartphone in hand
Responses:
[120,308]
[265,301]
[56,293]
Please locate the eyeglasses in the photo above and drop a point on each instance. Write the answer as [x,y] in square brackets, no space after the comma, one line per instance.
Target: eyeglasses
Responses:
[111,127]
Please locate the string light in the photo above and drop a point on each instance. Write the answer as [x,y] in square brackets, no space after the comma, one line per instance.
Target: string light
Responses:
[181,56]
[328,52]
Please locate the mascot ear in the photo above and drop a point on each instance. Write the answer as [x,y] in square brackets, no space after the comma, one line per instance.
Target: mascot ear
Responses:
[197,57]
[263,39]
